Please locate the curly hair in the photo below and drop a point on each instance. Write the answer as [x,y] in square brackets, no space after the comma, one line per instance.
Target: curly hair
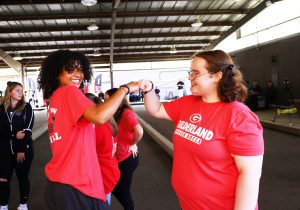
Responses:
[124,105]
[6,100]
[231,87]
[54,65]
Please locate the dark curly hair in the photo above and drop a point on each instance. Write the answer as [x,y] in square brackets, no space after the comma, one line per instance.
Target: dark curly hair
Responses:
[231,86]
[54,65]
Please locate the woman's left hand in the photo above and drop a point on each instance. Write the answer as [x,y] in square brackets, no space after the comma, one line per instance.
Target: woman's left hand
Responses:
[20,157]
[20,134]
[134,150]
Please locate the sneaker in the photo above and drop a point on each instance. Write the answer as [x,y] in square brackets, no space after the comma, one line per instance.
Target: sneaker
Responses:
[22,207]
[4,207]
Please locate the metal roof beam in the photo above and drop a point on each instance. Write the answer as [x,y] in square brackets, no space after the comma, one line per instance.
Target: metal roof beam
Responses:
[200,43]
[108,27]
[238,24]
[101,37]
[122,14]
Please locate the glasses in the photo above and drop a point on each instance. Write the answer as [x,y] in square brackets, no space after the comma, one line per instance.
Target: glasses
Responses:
[195,74]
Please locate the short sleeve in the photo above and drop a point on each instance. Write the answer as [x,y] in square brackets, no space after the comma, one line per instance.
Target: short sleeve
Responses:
[130,120]
[245,135]
[77,103]
[173,109]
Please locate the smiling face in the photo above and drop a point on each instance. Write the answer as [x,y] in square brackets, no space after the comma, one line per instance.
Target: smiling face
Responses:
[71,78]
[203,83]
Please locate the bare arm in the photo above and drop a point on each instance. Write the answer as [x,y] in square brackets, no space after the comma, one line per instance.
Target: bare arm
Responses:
[137,134]
[249,168]
[152,104]
[101,113]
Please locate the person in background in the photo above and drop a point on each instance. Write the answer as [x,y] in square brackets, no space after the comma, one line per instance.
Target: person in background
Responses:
[16,151]
[180,86]
[218,141]
[157,91]
[270,94]
[101,95]
[106,145]
[74,180]
[129,133]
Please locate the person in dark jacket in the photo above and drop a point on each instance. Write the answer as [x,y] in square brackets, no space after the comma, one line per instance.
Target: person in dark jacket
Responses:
[16,152]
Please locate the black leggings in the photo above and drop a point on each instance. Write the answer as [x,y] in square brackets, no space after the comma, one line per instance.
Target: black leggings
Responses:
[22,172]
[122,190]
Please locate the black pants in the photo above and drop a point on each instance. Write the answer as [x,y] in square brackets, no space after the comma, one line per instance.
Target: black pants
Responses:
[65,197]
[22,172]
[122,190]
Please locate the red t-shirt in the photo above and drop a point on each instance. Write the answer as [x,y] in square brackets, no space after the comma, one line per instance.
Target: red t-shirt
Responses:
[125,134]
[106,145]
[74,159]
[204,173]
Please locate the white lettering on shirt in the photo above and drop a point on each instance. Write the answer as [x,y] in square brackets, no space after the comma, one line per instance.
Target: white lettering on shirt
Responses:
[54,137]
[193,132]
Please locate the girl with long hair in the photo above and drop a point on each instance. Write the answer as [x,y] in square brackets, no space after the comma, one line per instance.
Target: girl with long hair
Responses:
[129,133]
[16,152]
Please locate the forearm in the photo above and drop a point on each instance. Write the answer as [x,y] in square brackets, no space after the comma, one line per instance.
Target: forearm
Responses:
[152,103]
[247,191]
[104,111]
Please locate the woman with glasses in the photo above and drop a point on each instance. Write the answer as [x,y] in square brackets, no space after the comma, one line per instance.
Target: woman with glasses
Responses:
[16,151]
[218,142]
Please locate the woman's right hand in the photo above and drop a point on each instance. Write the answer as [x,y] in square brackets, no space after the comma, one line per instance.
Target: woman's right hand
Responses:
[134,150]
[20,134]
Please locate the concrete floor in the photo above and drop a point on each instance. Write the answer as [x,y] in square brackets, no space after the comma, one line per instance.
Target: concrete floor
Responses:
[279,189]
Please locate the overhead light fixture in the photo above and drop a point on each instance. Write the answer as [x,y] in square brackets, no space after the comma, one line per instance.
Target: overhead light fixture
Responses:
[173,50]
[17,57]
[96,53]
[197,23]
[92,26]
[88,3]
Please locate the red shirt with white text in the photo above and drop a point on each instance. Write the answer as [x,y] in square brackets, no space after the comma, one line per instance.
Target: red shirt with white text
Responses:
[204,174]
[73,145]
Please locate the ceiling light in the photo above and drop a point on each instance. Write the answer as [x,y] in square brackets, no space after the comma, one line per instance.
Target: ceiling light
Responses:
[173,50]
[196,23]
[92,26]
[17,57]
[96,53]
[88,2]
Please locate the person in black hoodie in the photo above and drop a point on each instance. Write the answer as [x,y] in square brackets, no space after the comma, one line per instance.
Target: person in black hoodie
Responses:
[16,152]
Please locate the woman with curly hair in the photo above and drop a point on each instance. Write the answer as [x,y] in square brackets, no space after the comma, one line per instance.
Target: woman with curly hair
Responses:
[218,142]
[16,152]
[74,177]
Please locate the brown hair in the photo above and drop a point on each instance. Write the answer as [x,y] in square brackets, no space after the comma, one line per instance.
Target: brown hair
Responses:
[231,87]
[7,96]
[124,105]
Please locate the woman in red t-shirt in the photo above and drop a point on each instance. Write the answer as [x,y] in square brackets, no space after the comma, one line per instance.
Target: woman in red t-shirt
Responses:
[74,180]
[106,145]
[129,133]
[218,142]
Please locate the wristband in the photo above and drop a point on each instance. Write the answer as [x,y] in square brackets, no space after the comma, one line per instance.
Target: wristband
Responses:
[152,86]
[126,87]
